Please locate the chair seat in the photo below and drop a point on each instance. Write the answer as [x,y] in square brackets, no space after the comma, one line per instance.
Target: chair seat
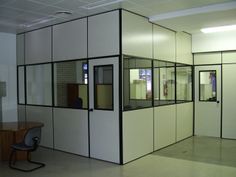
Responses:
[22,147]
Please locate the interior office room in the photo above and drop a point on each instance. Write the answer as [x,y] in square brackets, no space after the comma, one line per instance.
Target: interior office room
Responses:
[120,87]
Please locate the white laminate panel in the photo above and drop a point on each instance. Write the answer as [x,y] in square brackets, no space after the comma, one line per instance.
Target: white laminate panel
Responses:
[164,126]
[21,113]
[184,120]
[44,115]
[207,58]
[70,40]
[20,54]
[184,48]
[229,57]
[38,46]
[136,35]
[71,130]
[163,43]
[229,101]
[137,133]
[103,34]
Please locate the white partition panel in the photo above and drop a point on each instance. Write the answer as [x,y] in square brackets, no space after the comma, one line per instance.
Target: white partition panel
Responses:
[44,115]
[229,57]
[184,120]
[71,130]
[20,47]
[229,101]
[136,35]
[38,46]
[163,43]
[21,113]
[184,48]
[164,126]
[207,58]
[70,40]
[137,133]
[103,34]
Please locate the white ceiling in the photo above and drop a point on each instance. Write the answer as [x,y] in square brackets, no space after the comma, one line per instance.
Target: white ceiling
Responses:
[23,15]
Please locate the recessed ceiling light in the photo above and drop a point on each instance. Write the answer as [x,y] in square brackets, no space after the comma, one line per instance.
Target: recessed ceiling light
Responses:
[218,29]
[63,14]
[101,3]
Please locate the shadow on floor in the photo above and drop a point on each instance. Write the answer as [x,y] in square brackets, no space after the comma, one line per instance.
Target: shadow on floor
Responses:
[203,149]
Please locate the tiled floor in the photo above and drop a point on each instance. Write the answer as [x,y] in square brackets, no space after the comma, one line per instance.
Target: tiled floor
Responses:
[194,157]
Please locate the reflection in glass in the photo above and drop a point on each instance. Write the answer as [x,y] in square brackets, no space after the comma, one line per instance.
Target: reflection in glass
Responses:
[39,84]
[137,83]
[164,83]
[184,83]
[207,85]
[70,84]
[21,85]
[103,87]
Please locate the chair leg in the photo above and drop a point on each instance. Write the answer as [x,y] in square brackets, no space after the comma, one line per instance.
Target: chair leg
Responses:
[13,153]
[40,165]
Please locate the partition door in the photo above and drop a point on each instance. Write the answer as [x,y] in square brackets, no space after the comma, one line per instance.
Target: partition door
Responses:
[208,100]
[104,109]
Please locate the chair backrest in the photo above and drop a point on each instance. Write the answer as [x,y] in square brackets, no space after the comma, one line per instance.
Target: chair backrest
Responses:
[33,136]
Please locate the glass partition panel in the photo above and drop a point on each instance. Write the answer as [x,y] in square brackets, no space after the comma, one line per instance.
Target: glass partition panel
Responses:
[103,87]
[39,84]
[207,86]
[70,84]
[21,84]
[164,83]
[137,83]
[183,83]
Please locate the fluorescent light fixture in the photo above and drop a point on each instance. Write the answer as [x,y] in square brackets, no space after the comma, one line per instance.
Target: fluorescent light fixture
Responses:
[101,3]
[218,29]
[38,21]
[194,11]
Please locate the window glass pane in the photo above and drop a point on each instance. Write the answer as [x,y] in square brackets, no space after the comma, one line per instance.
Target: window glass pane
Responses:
[39,84]
[137,83]
[103,87]
[70,84]
[164,83]
[207,86]
[184,83]
[21,84]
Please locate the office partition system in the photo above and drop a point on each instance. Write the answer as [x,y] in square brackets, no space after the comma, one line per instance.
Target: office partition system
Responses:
[103,85]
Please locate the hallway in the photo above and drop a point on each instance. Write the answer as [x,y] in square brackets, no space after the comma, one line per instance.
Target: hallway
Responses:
[196,156]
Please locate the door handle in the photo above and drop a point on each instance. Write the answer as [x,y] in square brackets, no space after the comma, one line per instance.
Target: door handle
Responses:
[217,101]
[91,110]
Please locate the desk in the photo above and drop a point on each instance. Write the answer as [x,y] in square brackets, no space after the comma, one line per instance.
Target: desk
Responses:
[13,132]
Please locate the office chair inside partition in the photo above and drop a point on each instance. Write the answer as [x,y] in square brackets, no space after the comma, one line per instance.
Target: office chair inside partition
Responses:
[29,144]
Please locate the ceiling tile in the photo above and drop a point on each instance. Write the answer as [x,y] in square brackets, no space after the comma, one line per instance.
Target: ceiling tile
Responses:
[5,11]
[25,5]
[4,2]
[70,4]
[46,2]
[50,10]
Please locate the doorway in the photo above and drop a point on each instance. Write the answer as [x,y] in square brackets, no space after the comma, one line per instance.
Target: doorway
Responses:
[104,109]
[208,100]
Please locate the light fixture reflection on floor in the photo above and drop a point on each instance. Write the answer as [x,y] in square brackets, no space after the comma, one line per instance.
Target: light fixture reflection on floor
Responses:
[218,29]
